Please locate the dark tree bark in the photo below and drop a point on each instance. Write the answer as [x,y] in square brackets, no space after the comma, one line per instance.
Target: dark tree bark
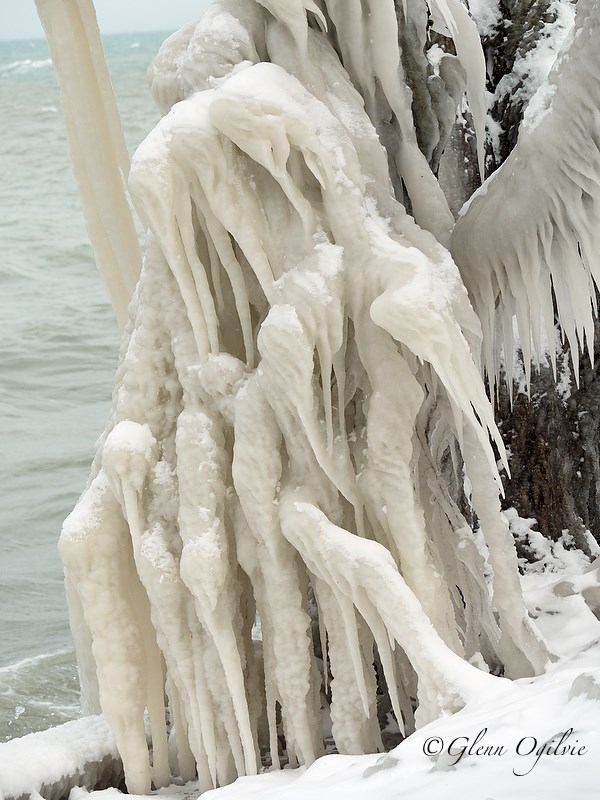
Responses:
[554,437]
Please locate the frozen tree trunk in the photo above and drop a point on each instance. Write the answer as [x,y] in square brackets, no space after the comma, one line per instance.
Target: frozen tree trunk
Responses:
[515,35]
[300,390]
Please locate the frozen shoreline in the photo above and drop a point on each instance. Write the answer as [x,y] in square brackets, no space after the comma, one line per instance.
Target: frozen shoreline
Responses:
[52,762]
[482,751]
[535,739]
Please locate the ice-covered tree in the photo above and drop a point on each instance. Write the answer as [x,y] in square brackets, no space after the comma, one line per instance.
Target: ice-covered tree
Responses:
[300,442]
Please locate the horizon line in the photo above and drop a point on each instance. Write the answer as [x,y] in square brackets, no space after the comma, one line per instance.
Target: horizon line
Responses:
[40,36]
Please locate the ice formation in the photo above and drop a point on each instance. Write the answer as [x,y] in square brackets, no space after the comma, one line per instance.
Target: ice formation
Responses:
[96,142]
[299,392]
[530,237]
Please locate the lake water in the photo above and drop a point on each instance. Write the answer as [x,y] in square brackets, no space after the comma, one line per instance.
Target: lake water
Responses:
[58,351]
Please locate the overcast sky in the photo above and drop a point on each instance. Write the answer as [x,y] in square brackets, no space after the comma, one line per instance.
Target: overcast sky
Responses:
[18,18]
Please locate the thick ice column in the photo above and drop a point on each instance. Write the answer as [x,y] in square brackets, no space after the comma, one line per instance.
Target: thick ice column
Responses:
[387,481]
[257,470]
[98,150]
[95,547]
[208,561]
[522,649]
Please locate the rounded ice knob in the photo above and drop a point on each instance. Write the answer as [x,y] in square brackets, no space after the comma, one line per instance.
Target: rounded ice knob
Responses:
[129,453]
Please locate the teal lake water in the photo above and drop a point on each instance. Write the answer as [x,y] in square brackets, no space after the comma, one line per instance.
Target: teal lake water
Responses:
[58,353]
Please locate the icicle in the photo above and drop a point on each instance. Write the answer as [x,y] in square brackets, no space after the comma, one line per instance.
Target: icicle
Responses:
[465,36]
[543,201]
[222,244]
[368,66]
[293,16]
[185,764]
[381,636]
[349,713]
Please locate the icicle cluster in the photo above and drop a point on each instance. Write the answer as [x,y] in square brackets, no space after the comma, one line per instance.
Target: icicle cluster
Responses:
[297,392]
[527,243]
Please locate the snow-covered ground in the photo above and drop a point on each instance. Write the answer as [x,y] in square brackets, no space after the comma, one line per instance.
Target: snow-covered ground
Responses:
[531,738]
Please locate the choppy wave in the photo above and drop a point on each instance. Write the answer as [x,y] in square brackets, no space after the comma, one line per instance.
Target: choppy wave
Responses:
[25,65]
[37,693]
